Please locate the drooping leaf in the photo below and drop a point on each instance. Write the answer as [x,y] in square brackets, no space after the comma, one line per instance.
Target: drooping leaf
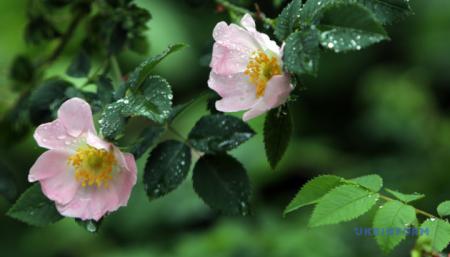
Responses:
[166,168]
[313,191]
[222,182]
[147,139]
[219,133]
[301,52]
[392,216]
[438,231]
[388,11]
[443,209]
[288,20]
[371,182]
[80,65]
[350,27]
[406,198]
[342,203]
[34,208]
[277,133]
[138,76]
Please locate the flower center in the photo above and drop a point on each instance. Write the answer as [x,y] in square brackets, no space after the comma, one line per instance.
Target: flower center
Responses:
[93,166]
[261,68]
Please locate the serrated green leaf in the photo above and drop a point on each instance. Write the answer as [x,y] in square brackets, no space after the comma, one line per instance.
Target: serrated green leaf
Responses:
[166,168]
[313,191]
[405,197]
[34,208]
[147,139]
[112,122]
[138,76]
[443,209]
[219,133]
[152,100]
[392,215]
[80,65]
[301,52]
[288,20]
[438,231]
[342,203]
[22,69]
[388,11]
[350,27]
[222,182]
[371,182]
[277,132]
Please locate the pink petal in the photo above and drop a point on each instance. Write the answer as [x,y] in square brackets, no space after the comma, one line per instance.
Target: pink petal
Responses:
[228,61]
[248,22]
[76,116]
[277,92]
[126,179]
[94,203]
[96,142]
[236,103]
[49,164]
[53,135]
[90,203]
[62,187]
[231,85]
[235,38]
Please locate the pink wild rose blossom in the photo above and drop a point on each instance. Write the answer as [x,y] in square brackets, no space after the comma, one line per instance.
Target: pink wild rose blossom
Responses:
[84,175]
[247,70]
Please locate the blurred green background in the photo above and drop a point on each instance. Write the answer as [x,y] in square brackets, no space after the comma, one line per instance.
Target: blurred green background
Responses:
[381,110]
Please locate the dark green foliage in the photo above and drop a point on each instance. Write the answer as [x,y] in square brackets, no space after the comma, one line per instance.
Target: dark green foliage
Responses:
[80,66]
[34,208]
[277,133]
[22,70]
[166,168]
[301,53]
[222,182]
[8,187]
[146,139]
[46,99]
[288,20]
[141,72]
[39,29]
[219,133]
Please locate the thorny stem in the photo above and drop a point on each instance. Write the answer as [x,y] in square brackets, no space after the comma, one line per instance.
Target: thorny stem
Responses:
[238,9]
[429,215]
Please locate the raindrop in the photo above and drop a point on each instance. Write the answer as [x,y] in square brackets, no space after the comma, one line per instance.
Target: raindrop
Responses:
[432,219]
[330,45]
[91,227]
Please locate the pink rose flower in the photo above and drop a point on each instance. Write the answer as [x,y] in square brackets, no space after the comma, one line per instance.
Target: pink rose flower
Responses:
[84,175]
[247,70]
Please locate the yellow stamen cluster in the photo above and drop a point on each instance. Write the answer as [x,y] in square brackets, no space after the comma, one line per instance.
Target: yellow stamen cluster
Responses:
[261,68]
[93,166]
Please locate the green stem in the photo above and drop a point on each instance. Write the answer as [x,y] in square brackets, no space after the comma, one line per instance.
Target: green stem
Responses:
[116,69]
[419,211]
[238,9]
[184,139]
